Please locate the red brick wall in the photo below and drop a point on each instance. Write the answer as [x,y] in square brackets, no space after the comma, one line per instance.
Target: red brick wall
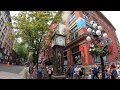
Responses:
[107,28]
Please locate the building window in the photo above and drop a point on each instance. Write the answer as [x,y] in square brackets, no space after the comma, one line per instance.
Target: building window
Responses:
[86,16]
[92,12]
[95,20]
[65,58]
[74,33]
[105,59]
[76,55]
[2,22]
[5,29]
[2,36]
[96,59]
[72,20]
[0,43]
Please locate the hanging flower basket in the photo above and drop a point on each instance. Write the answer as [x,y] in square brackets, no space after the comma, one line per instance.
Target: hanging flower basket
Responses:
[95,50]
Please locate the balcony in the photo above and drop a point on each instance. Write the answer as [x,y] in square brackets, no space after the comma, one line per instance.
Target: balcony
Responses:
[72,22]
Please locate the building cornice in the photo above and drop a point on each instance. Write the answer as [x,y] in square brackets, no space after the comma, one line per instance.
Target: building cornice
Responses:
[76,40]
[106,19]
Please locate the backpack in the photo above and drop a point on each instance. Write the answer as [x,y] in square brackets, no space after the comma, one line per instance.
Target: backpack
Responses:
[95,70]
[39,73]
[114,74]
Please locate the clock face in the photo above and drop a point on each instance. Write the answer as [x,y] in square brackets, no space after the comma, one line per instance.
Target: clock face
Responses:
[60,40]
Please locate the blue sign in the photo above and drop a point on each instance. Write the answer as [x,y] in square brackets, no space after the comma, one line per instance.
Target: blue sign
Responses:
[81,23]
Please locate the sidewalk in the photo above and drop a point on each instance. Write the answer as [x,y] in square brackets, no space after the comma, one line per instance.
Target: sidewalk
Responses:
[58,77]
[8,75]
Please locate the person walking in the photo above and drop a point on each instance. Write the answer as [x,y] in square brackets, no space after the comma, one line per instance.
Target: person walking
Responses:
[31,69]
[39,71]
[95,72]
[114,73]
[71,71]
[26,71]
[107,73]
[35,71]
[77,71]
[50,71]
[68,72]
[90,73]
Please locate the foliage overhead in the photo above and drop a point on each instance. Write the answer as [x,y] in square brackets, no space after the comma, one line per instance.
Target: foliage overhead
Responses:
[32,26]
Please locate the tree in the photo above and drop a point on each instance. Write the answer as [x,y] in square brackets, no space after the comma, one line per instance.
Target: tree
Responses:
[32,26]
[21,50]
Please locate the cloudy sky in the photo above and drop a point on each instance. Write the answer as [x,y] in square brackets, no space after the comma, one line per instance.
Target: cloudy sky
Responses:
[112,16]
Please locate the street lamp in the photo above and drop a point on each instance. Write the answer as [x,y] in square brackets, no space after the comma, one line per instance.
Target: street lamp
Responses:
[99,43]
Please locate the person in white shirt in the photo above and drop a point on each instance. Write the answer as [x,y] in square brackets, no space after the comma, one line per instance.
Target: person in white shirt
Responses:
[77,70]
[26,71]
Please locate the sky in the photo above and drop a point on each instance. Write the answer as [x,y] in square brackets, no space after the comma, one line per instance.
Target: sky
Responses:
[112,16]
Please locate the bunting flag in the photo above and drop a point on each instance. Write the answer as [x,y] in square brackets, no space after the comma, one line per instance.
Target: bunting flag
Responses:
[82,50]
[80,23]
[111,48]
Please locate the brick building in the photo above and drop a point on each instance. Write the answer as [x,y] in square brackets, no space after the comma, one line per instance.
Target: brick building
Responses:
[6,43]
[76,45]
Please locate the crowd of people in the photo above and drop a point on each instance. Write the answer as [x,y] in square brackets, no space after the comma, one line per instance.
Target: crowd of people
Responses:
[72,72]
[93,72]
[42,72]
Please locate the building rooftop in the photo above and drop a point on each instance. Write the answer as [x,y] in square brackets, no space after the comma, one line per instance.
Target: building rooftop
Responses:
[106,19]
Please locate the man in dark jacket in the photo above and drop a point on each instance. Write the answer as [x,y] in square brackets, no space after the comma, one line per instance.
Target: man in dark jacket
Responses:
[95,72]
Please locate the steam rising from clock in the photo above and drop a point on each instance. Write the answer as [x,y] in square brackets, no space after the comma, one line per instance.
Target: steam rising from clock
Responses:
[65,15]
[62,29]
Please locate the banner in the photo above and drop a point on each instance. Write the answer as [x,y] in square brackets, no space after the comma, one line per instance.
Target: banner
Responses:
[80,23]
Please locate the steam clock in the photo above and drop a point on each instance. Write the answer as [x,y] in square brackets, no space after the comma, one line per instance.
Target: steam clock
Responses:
[58,43]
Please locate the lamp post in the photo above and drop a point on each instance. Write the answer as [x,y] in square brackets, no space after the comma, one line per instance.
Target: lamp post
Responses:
[99,43]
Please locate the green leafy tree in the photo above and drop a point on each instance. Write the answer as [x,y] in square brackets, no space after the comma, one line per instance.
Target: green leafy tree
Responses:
[21,50]
[32,26]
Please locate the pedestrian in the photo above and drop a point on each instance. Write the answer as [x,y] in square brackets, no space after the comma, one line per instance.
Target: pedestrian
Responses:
[95,72]
[39,71]
[71,71]
[114,74]
[35,71]
[50,71]
[68,72]
[31,69]
[77,70]
[107,72]
[26,71]
[118,69]
[90,73]
[83,72]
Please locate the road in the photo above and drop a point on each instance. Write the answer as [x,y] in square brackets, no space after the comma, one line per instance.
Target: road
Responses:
[11,72]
